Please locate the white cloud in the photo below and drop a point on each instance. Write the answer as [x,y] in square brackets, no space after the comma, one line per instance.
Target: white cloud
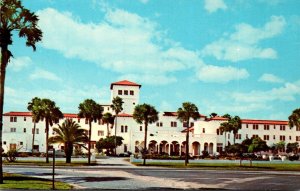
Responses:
[124,42]
[243,44]
[17,64]
[44,74]
[152,79]
[270,78]
[219,74]
[213,5]
[144,1]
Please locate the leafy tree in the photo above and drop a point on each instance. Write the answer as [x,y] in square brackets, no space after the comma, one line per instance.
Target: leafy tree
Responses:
[51,113]
[70,134]
[35,107]
[14,17]
[146,114]
[237,149]
[292,147]
[294,118]
[185,113]
[258,145]
[91,111]
[108,119]
[108,143]
[116,105]
[280,146]
[212,115]
[224,128]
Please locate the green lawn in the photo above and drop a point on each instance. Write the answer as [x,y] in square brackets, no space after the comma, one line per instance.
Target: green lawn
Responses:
[228,166]
[17,181]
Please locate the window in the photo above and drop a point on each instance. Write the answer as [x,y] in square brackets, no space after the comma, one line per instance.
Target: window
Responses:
[160,124]
[125,148]
[100,133]
[125,92]
[274,126]
[4,142]
[238,136]
[13,119]
[24,130]
[203,130]
[24,118]
[255,126]
[290,137]
[297,128]
[228,136]
[192,124]
[282,127]
[218,131]
[13,130]
[131,92]
[122,129]
[266,137]
[141,128]
[247,136]
[266,127]
[282,138]
[37,131]
[297,138]
[126,129]
[119,92]
[247,126]
[173,124]
[254,136]
[78,120]
[274,137]
[21,143]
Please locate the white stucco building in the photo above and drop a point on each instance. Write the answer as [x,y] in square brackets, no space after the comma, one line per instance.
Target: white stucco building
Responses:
[165,136]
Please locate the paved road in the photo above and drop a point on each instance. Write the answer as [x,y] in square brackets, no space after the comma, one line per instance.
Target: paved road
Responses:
[115,173]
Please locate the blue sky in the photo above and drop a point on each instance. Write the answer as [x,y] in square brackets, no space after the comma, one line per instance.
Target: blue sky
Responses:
[227,56]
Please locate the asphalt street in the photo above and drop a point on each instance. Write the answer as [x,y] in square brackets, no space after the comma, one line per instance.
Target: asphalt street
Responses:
[114,173]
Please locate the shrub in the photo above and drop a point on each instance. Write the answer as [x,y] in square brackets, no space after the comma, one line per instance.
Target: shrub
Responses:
[11,155]
[204,154]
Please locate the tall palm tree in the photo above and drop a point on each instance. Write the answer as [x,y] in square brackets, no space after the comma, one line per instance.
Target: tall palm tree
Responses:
[91,111]
[116,105]
[70,134]
[35,107]
[236,125]
[184,114]
[294,118]
[224,128]
[146,114]
[51,114]
[14,17]
[108,119]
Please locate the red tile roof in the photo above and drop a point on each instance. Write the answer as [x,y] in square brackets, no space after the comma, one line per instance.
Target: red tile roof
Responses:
[167,113]
[267,122]
[124,83]
[124,115]
[218,118]
[16,113]
[70,115]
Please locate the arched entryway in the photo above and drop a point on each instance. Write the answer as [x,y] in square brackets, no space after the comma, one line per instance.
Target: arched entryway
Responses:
[196,148]
[152,147]
[211,148]
[175,148]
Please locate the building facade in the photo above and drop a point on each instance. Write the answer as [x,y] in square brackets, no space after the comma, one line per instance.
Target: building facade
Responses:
[167,135]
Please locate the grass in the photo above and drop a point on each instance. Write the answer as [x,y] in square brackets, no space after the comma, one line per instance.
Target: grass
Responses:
[17,181]
[228,166]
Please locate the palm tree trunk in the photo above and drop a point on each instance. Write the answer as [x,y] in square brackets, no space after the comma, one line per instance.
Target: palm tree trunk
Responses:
[68,151]
[187,144]
[145,143]
[47,137]
[89,148]
[33,135]
[234,138]
[115,150]
[107,129]
[4,61]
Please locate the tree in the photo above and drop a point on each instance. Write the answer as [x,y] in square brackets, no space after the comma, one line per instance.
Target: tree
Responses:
[108,119]
[184,114]
[69,134]
[146,114]
[294,118]
[224,128]
[292,147]
[258,145]
[35,107]
[14,17]
[236,125]
[91,111]
[279,147]
[212,115]
[116,105]
[108,143]
[51,113]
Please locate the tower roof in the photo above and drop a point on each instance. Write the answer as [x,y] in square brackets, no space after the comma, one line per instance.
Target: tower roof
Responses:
[124,83]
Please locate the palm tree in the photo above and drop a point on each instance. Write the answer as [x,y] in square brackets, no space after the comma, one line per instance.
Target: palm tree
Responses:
[91,111]
[188,111]
[146,114]
[116,105]
[108,119]
[294,118]
[226,126]
[51,113]
[35,107]
[236,125]
[70,134]
[14,17]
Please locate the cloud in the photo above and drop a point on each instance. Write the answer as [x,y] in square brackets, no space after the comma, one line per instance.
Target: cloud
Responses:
[270,78]
[213,5]
[151,79]
[123,42]
[243,44]
[18,63]
[144,1]
[44,74]
[219,74]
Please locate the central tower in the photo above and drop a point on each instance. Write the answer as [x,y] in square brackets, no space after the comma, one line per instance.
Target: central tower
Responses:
[129,92]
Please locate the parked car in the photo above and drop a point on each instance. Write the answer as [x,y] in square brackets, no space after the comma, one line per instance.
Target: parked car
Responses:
[125,154]
[58,153]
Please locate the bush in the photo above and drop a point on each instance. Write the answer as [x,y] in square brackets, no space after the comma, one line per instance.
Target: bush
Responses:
[11,155]
[204,154]
[293,157]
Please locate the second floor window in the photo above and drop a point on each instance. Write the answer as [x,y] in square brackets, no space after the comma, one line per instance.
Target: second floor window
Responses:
[13,130]
[13,119]
[173,124]
[119,92]
[100,133]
